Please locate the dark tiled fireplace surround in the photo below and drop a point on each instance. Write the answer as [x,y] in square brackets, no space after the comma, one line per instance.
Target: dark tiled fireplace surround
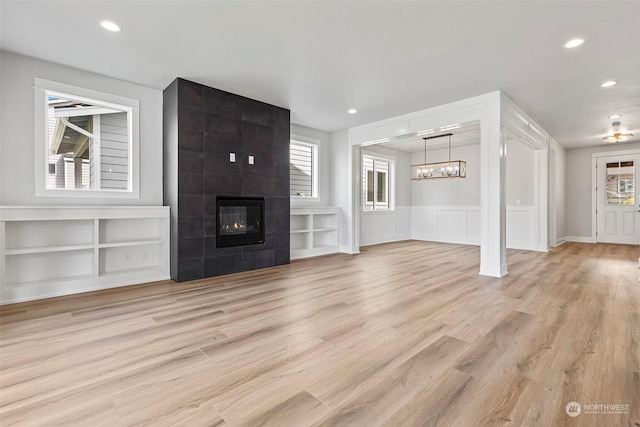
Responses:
[202,126]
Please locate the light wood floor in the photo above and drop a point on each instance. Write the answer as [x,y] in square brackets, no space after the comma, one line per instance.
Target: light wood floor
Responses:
[403,334]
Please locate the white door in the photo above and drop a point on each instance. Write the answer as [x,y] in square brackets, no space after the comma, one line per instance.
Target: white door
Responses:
[617,201]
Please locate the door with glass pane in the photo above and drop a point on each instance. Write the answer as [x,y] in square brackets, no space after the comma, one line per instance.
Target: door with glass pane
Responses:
[616,214]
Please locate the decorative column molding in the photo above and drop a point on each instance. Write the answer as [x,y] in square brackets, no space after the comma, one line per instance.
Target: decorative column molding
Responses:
[493,156]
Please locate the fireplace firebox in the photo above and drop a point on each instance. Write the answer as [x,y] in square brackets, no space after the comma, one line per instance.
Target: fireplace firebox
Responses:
[240,221]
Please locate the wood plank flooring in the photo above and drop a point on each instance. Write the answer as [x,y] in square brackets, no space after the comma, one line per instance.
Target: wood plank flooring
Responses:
[403,334]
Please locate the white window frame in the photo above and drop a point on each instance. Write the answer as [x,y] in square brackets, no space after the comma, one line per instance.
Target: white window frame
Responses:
[314,144]
[132,107]
[373,206]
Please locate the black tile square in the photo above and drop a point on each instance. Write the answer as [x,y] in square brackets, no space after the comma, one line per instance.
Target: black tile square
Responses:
[222,185]
[209,205]
[257,185]
[282,257]
[190,118]
[190,161]
[281,223]
[190,248]
[190,205]
[190,183]
[282,118]
[257,132]
[255,260]
[210,227]
[283,240]
[190,227]
[281,186]
[281,205]
[190,270]
[282,138]
[190,95]
[222,104]
[189,140]
[226,128]
[221,265]
[257,112]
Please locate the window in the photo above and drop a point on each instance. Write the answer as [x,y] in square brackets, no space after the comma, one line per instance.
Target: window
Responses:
[375,183]
[88,144]
[303,157]
[620,183]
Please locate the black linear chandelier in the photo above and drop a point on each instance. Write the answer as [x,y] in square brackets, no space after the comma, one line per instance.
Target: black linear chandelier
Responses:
[448,169]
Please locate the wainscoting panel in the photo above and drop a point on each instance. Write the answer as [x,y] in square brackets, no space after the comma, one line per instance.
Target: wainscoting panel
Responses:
[462,225]
[520,225]
[450,224]
[385,226]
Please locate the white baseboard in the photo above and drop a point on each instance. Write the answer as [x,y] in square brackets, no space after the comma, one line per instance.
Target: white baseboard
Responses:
[346,249]
[525,245]
[580,239]
[561,241]
[384,239]
[448,239]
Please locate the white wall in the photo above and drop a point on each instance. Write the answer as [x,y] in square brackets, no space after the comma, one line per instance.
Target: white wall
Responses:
[324,172]
[449,192]
[578,188]
[17,145]
[519,173]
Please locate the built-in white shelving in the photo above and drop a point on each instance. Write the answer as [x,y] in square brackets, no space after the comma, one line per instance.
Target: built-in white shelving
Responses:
[314,232]
[50,251]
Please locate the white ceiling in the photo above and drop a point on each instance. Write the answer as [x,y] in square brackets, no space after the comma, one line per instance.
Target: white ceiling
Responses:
[385,58]
[465,134]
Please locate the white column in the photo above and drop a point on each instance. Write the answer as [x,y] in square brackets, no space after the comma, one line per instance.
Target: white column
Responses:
[493,252]
[541,199]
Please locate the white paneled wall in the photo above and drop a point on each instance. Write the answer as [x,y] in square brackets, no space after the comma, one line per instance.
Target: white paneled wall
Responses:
[385,226]
[447,224]
[520,227]
[451,224]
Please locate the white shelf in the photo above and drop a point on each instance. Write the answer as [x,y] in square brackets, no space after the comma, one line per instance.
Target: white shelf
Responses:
[47,282]
[46,249]
[301,231]
[131,243]
[130,270]
[314,232]
[57,250]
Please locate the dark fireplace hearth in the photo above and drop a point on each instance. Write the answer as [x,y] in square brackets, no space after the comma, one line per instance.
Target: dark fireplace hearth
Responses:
[240,221]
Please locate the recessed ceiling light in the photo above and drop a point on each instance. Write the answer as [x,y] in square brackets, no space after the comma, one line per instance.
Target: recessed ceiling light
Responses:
[609,83]
[110,26]
[352,111]
[615,116]
[573,43]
